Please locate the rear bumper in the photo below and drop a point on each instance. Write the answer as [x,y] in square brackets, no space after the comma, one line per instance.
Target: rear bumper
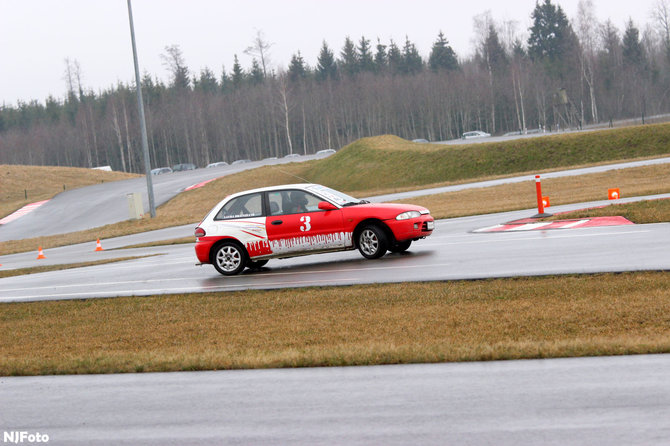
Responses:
[203,246]
[411,229]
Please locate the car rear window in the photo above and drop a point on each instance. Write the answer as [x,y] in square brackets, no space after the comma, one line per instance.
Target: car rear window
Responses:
[246,206]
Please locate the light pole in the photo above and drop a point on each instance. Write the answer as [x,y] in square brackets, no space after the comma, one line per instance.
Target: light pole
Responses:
[143,124]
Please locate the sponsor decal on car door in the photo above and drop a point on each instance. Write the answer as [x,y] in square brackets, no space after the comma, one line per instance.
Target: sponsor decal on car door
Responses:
[294,232]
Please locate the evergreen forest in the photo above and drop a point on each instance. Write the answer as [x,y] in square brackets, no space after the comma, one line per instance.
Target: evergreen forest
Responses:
[562,75]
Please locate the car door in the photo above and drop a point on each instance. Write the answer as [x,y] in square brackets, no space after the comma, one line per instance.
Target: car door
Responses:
[296,225]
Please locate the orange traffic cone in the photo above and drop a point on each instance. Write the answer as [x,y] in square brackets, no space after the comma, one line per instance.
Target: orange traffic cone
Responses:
[40,253]
[98,246]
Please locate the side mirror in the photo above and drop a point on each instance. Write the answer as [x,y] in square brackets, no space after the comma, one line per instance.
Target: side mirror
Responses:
[327,206]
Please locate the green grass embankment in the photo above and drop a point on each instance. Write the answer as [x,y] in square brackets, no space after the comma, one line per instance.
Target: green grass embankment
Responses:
[391,162]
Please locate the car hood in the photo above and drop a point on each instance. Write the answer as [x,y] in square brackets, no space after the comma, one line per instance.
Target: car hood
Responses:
[382,211]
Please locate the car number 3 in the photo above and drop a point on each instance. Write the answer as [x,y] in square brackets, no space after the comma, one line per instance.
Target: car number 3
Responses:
[306,227]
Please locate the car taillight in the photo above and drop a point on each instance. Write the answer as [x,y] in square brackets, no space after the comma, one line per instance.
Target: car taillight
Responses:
[199,232]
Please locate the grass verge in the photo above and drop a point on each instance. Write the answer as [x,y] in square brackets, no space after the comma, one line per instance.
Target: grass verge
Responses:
[652,211]
[44,269]
[638,181]
[558,316]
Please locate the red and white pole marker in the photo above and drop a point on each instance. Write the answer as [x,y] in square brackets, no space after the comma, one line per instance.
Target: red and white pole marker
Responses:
[540,201]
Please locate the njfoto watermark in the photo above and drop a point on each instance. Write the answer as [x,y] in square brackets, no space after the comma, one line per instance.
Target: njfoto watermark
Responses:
[18,437]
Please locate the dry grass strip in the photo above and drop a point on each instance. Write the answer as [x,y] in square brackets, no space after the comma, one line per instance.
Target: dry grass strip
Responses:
[638,181]
[650,211]
[361,325]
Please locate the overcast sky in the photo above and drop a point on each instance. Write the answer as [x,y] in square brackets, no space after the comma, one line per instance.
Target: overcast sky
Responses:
[37,35]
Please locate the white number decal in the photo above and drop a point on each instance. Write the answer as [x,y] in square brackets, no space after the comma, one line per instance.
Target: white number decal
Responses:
[306,227]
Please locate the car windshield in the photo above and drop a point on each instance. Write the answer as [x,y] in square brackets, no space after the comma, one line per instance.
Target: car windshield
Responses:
[336,197]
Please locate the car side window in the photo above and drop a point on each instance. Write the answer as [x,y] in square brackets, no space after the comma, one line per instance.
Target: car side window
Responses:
[246,206]
[292,202]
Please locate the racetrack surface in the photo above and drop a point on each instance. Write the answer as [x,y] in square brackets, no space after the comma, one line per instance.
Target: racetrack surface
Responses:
[576,401]
[106,203]
[452,252]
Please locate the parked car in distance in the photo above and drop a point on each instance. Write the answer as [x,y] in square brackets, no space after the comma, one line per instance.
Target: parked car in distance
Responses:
[420,140]
[241,161]
[217,164]
[292,155]
[475,134]
[183,166]
[160,170]
[248,228]
[325,152]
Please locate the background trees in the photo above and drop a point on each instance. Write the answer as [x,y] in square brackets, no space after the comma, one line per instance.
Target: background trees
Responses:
[560,75]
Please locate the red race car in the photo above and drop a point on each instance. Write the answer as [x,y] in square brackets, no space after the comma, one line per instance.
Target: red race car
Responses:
[248,228]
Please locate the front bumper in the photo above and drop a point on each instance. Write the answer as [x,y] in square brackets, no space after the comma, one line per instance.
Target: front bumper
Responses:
[411,229]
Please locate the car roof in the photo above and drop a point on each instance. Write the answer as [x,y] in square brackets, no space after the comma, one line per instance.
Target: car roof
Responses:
[272,188]
[303,186]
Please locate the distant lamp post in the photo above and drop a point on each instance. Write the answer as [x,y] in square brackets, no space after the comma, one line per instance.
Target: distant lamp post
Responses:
[143,124]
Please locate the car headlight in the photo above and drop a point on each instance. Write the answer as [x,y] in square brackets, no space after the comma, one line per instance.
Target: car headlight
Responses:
[407,215]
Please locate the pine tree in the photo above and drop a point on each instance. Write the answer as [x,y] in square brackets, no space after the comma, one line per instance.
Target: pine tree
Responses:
[492,52]
[412,62]
[364,56]
[381,59]
[297,69]
[237,75]
[348,62]
[326,67]
[256,75]
[552,40]
[174,61]
[442,56]
[150,90]
[395,59]
[632,52]
[610,57]
[207,81]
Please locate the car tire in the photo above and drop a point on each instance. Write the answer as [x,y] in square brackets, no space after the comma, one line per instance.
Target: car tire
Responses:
[229,258]
[256,264]
[400,246]
[372,242]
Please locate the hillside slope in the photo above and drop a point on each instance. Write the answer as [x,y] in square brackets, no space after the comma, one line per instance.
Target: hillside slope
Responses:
[21,185]
[390,162]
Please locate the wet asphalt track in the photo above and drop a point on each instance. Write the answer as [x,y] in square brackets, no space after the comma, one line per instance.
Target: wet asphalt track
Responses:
[452,252]
[581,401]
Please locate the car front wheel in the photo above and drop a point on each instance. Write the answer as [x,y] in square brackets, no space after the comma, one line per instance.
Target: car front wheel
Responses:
[372,242]
[229,259]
